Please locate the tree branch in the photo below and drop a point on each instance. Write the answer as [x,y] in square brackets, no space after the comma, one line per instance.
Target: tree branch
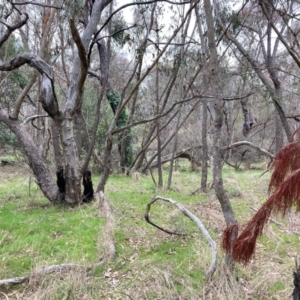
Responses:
[35,3]
[290,51]
[48,96]
[83,60]
[31,118]
[10,29]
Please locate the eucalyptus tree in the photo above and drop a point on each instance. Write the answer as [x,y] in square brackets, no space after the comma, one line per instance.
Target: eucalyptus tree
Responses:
[64,114]
[218,122]
[60,51]
[249,21]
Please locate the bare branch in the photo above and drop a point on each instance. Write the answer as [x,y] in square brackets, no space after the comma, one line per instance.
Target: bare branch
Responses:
[31,118]
[137,3]
[246,143]
[293,54]
[199,224]
[10,29]
[83,60]
[172,107]
[22,95]
[41,272]
[37,4]
[80,46]
[48,96]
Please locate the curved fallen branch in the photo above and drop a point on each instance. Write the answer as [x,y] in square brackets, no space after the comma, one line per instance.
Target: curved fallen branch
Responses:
[199,224]
[110,250]
[246,143]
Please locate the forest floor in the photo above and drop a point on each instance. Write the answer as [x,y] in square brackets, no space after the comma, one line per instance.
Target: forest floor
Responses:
[149,264]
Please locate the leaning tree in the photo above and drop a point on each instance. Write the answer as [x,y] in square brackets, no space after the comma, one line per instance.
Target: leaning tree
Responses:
[64,114]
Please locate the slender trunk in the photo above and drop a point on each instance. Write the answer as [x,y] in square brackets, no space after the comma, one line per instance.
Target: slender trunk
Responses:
[107,163]
[279,140]
[173,152]
[204,165]
[204,160]
[264,79]
[218,121]
[158,133]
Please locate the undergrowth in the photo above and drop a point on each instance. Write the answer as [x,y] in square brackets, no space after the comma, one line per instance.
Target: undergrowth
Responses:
[150,264]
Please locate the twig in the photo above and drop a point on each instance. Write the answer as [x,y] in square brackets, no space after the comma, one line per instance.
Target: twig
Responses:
[196,191]
[199,224]
[37,4]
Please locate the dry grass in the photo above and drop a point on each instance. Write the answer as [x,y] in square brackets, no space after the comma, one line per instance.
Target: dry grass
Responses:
[153,265]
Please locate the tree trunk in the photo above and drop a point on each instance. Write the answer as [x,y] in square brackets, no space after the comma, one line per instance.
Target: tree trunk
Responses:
[40,170]
[107,163]
[71,161]
[249,121]
[218,121]
[204,165]
[264,79]
[56,145]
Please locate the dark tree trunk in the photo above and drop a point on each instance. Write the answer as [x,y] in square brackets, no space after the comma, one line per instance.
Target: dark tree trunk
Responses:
[249,121]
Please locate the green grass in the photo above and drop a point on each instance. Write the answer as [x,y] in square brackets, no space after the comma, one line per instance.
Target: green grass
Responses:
[149,264]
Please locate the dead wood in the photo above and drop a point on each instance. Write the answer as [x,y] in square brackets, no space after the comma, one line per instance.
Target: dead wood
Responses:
[41,272]
[185,153]
[246,143]
[195,219]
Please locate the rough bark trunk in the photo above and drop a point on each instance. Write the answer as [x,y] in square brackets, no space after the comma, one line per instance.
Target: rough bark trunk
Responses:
[249,121]
[71,161]
[56,145]
[74,102]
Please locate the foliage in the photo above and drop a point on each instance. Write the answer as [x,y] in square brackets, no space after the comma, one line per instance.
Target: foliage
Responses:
[114,100]
[17,79]
[7,139]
